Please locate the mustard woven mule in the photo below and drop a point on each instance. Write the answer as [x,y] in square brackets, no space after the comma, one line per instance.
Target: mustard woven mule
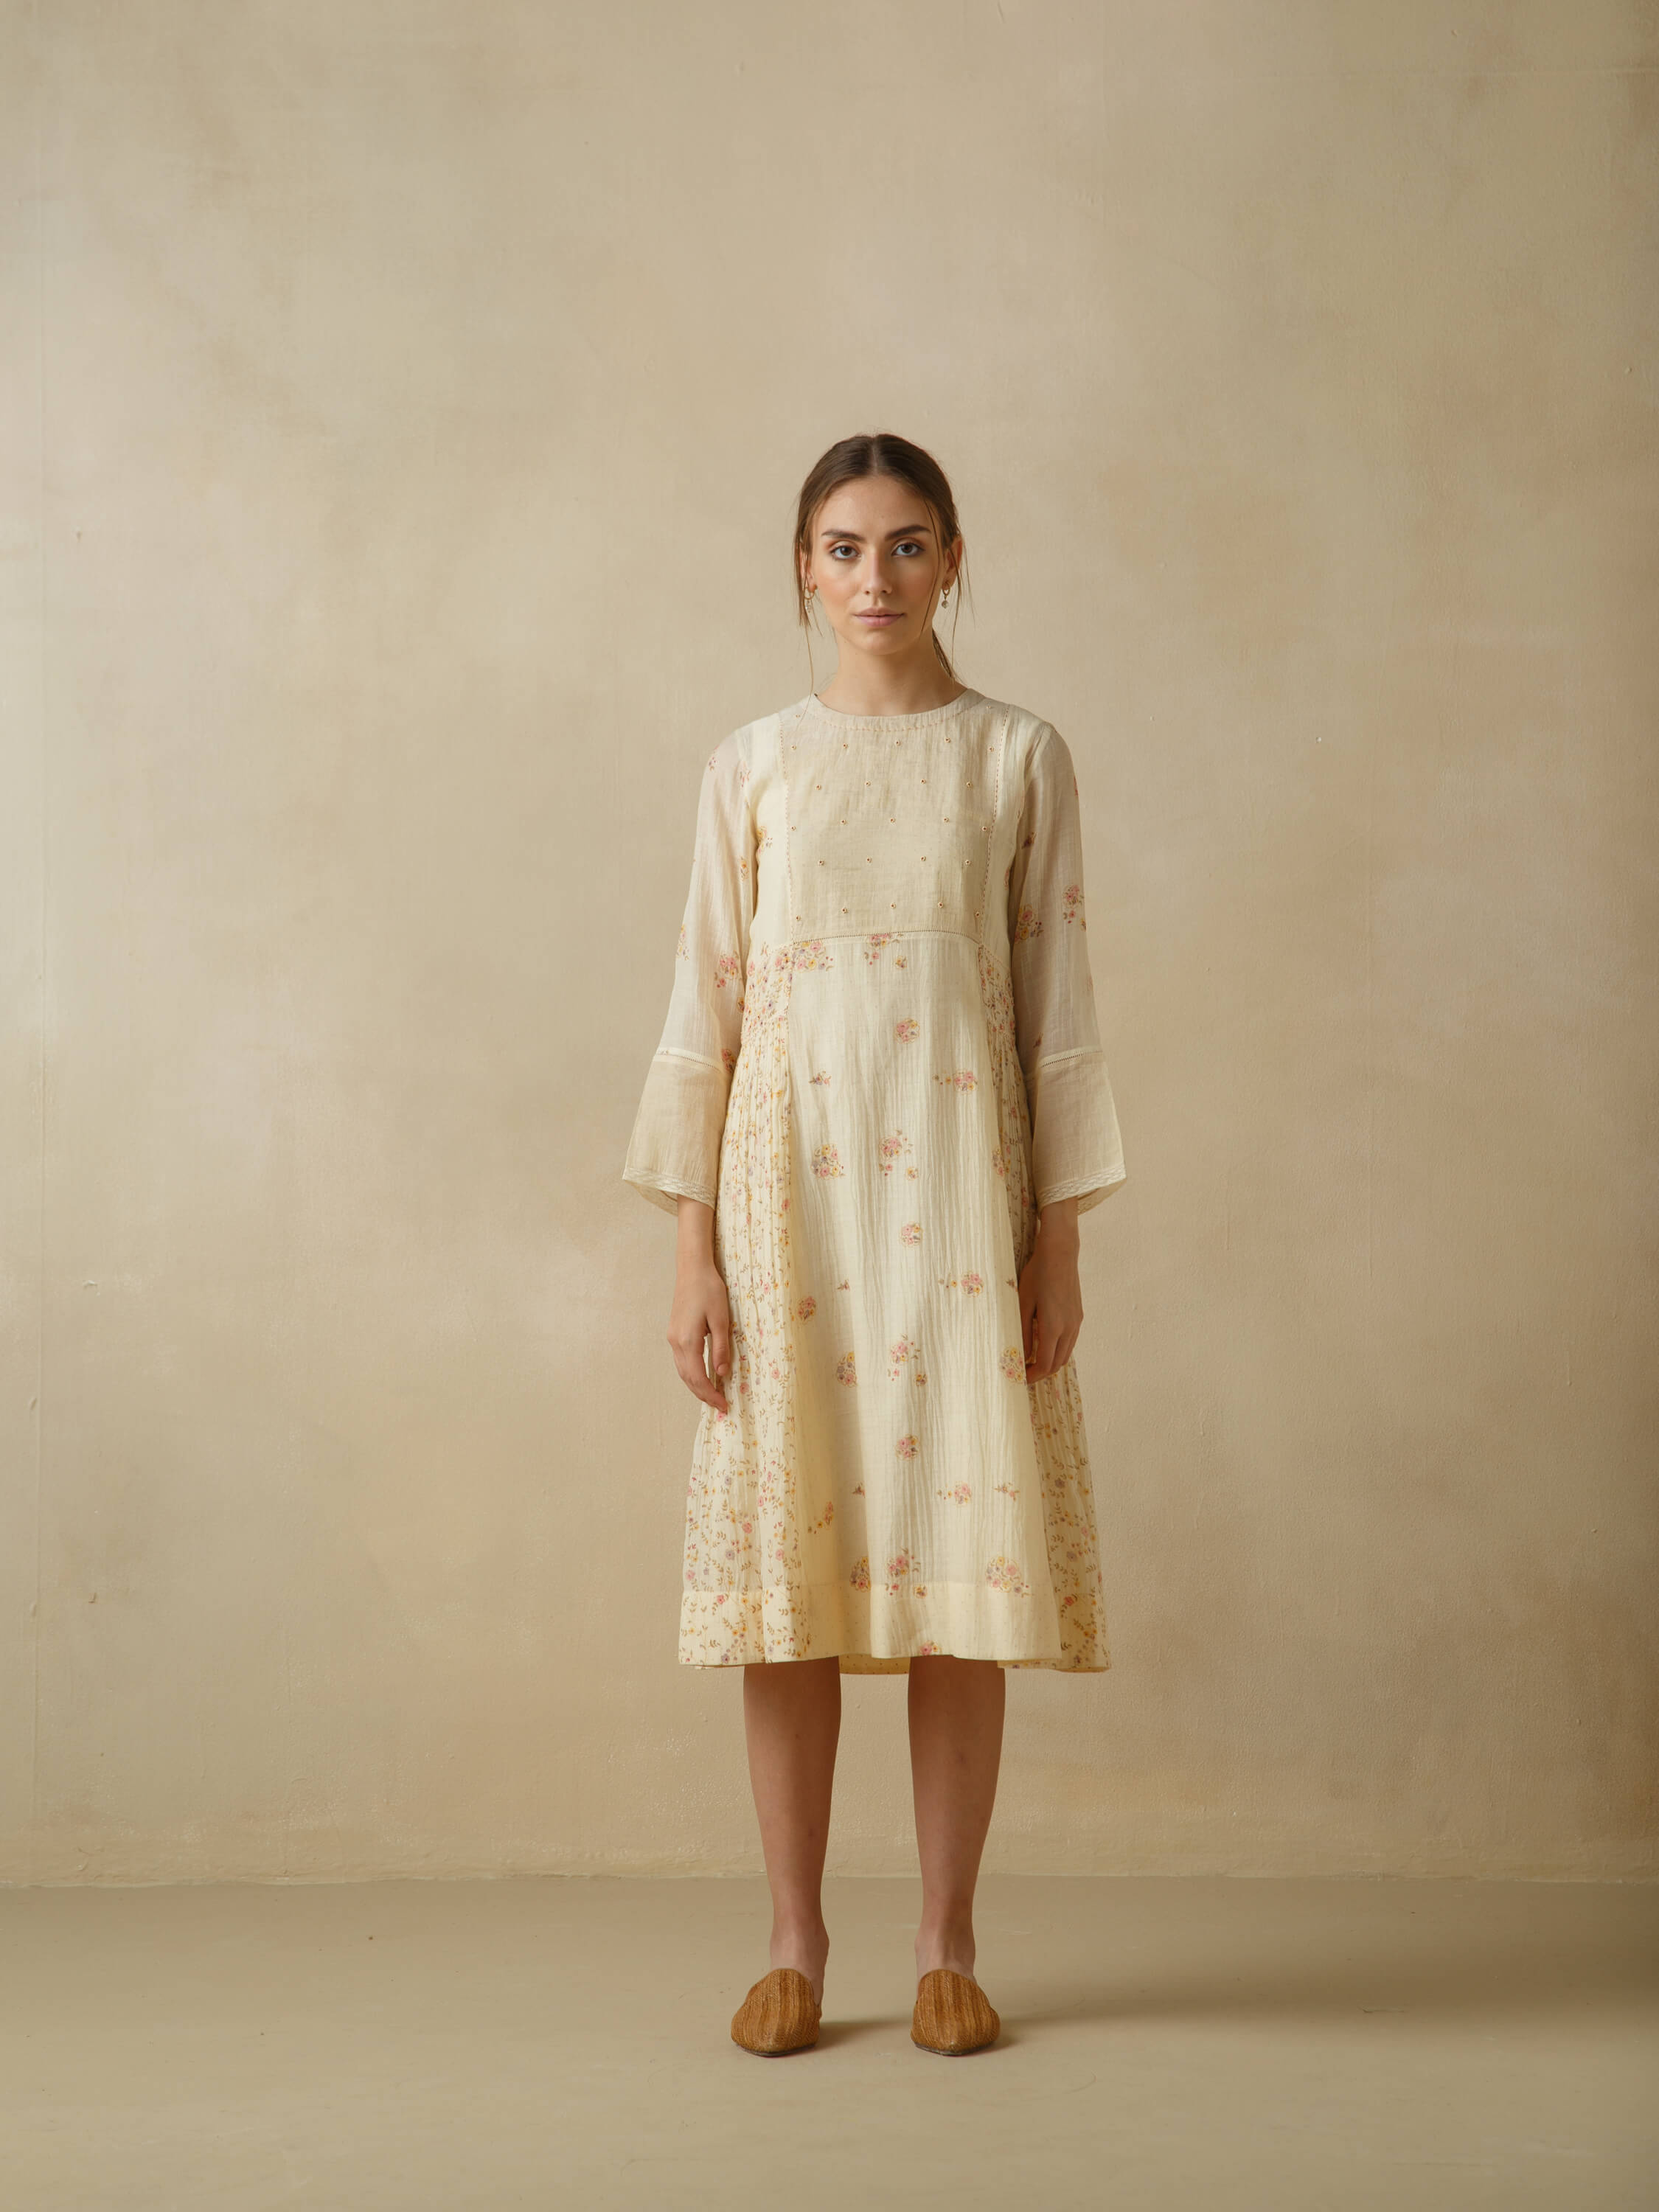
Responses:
[953,2014]
[780,2014]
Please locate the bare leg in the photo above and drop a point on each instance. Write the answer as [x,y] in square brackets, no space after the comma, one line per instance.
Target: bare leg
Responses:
[792,1718]
[957,1708]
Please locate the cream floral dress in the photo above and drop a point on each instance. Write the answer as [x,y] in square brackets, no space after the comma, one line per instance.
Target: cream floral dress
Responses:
[881,1056]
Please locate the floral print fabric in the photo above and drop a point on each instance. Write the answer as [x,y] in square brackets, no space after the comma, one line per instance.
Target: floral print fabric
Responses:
[881,1056]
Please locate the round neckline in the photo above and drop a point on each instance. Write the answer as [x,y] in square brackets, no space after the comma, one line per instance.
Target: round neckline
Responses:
[964,698]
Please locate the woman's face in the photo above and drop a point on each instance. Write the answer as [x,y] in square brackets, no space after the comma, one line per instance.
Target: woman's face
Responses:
[876,558]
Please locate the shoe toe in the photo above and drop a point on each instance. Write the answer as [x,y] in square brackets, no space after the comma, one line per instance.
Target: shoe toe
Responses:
[780,2014]
[952,2014]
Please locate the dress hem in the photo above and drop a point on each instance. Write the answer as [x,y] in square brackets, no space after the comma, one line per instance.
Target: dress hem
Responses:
[871,1662]
[738,1628]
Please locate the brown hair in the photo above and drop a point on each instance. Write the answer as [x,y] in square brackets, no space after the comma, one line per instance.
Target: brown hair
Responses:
[877,453]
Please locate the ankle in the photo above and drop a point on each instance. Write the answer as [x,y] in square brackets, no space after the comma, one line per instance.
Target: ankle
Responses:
[806,1949]
[809,1935]
[947,1943]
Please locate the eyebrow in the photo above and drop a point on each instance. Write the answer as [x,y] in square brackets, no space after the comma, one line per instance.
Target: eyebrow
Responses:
[909,530]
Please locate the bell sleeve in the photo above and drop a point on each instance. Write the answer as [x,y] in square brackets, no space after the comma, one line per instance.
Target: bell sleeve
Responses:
[1076,1149]
[675,1148]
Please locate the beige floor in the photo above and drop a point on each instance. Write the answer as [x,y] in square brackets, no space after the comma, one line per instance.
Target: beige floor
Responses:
[1190,2044]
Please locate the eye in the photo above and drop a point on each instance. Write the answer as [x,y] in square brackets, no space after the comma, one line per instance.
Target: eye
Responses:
[909,545]
[843,548]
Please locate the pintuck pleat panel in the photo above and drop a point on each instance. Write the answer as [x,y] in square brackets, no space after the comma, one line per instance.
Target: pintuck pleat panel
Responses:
[745,1598]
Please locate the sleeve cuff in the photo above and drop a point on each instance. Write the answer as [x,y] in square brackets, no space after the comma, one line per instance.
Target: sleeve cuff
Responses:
[675,1148]
[1086,1194]
[1076,1150]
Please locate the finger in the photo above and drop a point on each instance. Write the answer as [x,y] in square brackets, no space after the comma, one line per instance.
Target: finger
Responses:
[720,1365]
[689,1366]
[700,1387]
[1037,1349]
[719,1347]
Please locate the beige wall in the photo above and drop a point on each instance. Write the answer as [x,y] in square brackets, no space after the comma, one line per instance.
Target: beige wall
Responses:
[402,407]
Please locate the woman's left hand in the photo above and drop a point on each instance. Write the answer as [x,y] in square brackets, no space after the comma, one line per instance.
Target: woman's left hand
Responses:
[1050,1293]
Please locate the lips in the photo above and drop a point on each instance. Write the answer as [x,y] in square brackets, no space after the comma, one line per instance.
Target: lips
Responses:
[879,620]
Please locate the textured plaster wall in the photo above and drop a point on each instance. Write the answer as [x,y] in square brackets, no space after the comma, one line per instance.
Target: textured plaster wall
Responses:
[402,408]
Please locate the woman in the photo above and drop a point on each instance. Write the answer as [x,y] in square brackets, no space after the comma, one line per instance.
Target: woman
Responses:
[879,1105]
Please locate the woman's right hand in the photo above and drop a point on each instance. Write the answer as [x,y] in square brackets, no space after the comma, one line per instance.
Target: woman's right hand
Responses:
[700,1310]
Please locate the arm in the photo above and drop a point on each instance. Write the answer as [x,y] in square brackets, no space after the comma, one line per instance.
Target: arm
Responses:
[673,1153]
[675,1148]
[1076,1149]
[1077,1156]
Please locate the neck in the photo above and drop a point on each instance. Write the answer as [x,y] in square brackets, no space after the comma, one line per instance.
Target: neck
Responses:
[865,684]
